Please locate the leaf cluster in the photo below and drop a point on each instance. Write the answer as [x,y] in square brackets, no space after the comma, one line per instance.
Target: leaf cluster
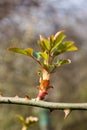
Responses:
[51,48]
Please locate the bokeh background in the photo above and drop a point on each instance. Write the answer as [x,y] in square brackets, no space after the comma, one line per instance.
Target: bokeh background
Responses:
[21,23]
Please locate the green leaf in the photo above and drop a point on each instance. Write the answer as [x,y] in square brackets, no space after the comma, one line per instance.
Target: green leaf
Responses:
[58,50]
[69,46]
[68,43]
[62,62]
[51,40]
[41,45]
[44,43]
[32,53]
[29,51]
[44,55]
[72,48]
[58,38]
[18,50]
[64,47]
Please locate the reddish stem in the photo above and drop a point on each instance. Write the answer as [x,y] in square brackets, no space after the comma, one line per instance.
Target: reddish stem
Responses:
[44,85]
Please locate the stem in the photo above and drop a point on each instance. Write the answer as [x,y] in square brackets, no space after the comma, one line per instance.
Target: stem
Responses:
[37,61]
[44,85]
[43,104]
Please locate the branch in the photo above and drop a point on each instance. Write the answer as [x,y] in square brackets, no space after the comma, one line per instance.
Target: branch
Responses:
[43,104]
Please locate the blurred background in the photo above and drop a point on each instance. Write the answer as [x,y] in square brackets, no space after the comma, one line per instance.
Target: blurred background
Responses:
[21,23]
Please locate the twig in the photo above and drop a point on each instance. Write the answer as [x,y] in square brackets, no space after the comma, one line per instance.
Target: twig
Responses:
[43,104]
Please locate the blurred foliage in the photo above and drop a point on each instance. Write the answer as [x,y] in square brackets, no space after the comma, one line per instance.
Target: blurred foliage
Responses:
[20,23]
[27,122]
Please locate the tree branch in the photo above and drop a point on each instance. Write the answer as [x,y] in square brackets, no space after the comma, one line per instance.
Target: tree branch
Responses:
[43,104]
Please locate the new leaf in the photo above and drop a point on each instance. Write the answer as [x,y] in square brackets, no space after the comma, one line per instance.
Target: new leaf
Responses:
[62,62]
[58,38]
[18,50]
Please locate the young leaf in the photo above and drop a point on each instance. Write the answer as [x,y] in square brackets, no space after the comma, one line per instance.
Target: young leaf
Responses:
[72,48]
[29,51]
[68,43]
[18,50]
[44,43]
[41,45]
[64,47]
[69,46]
[44,55]
[32,53]
[58,38]
[62,62]
[51,41]
[58,50]
[58,34]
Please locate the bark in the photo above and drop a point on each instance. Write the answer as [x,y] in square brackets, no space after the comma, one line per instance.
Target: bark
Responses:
[43,104]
